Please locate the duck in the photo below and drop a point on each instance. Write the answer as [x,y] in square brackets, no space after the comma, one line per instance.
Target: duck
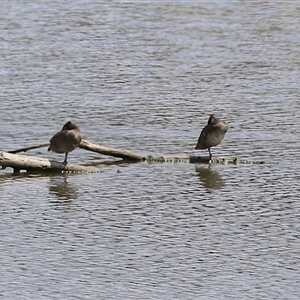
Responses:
[66,140]
[212,134]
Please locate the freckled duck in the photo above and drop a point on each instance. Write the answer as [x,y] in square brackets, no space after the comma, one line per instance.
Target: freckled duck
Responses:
[66,140]
[212,134]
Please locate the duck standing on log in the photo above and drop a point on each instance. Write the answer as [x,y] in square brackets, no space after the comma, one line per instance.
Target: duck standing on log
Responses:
[66,140]
[212,134]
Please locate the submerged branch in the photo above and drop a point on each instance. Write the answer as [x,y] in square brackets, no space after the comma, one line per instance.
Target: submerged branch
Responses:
[199,159]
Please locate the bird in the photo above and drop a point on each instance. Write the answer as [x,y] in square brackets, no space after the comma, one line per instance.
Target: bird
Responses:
[212,134]
[66,140]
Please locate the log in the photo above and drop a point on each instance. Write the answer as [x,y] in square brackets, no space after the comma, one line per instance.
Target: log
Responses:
[29,163]
[124,154]
[110,151]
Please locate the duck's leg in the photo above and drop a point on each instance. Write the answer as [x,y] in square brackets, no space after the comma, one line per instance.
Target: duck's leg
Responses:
[210,156]
[65,161]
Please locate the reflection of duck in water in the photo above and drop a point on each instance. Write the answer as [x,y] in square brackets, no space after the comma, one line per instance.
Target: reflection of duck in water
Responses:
[212,134]
[210,179]
[66,140]
[60,190]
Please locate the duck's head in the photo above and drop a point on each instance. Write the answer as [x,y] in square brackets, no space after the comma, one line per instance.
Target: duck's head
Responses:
[211,120]
[69,126]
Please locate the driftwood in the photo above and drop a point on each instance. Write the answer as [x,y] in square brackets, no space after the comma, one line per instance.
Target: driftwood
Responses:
[29,163]
[94,148]
[110,151]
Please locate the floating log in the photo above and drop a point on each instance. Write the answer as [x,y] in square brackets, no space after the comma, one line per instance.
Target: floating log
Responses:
[29,163]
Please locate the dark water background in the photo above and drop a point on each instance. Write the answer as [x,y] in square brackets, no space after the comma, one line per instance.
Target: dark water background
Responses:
[145,76]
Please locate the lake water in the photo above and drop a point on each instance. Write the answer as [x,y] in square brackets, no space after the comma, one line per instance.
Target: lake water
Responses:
[145,76]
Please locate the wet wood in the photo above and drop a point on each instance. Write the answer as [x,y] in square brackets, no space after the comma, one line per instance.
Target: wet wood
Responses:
[30,163]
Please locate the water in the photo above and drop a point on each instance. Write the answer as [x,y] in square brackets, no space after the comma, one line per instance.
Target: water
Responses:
[145,77]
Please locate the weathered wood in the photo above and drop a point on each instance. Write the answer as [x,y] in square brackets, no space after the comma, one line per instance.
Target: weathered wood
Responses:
[124,154]
[110,151]
[29,163]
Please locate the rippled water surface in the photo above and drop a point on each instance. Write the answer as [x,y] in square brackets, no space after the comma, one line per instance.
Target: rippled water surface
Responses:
[145,77]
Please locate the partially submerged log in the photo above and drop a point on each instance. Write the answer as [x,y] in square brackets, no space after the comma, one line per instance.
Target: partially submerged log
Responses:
[29,163]
[199,159]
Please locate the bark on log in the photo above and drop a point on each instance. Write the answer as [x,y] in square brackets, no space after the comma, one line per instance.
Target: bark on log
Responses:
[29,163]
[110,151]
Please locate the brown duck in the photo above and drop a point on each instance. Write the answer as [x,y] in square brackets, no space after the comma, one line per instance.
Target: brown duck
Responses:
[66,140]
[212,134]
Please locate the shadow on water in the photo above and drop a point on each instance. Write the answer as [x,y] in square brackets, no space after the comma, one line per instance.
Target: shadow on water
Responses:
[209,178]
